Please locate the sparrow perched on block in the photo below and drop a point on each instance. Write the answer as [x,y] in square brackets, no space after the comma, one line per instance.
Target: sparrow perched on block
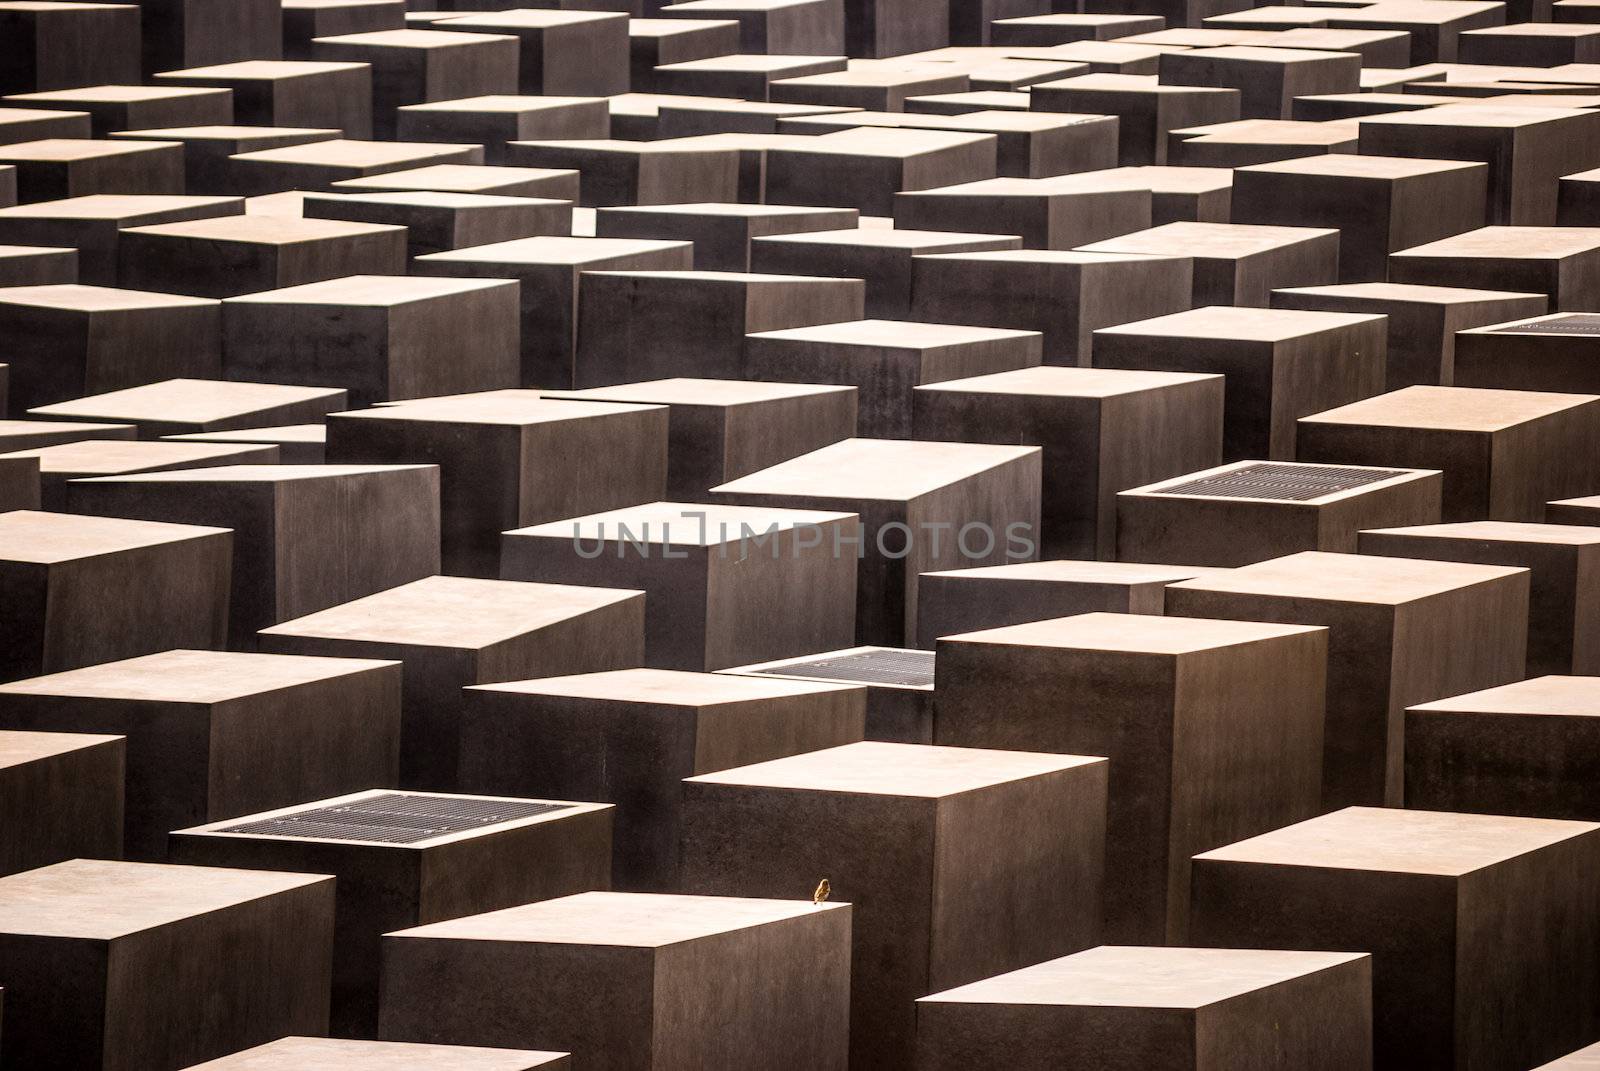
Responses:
[821,895]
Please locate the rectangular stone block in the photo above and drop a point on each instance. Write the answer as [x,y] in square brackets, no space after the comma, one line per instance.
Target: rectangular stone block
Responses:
[572,53]
[656,42]
[712,611]
[34,124]
[439,222]
[30,434]
[1480,927]
[1056,213]
[884,360]
[983,501]
[637,173]
[1154,695]
[297,444]
[31,265]
[59,465]
[493,121]
[306,537]
[296,1054]
[1213,1009]
[898,682]
[632,981]
[1250,511]
[92,224]
[450,632]
[1268,79]
[967,600]
[1504,453]
[132,107]
[58,46]
[548,269]
[1280,365]
[508,462]
[906,834]
[721,429]
[1563,262]
[1235,264]
[1423,320]
[1145,109]
[230,256]
[416,66]
[1549,353]
[214,734]
[178,34]
[327,163]
[171,584]
[722,233]
[865,169]
[291,93]
[1101,431]
[60,798]
[775,27]
[114,964]
[208,150]
[407,859]
[630,737]
[1390,623]
[57,168]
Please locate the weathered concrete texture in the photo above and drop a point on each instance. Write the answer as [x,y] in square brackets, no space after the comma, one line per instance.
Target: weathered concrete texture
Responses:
[1387,619]
[630,737]
[506,461]
[171,583]
[136,965]
[386,884]
[306,537]
[923,506]
[450,632]
[714,610]
[1504,453]
[1480,927]
[338,1054]
[1268,512]
[1280,365]
[1423,320]
[1101,431]
[1236,264]
[632,980]
[212,734]
[60,798]
[1133,1009]
[1213,729]
[721,429]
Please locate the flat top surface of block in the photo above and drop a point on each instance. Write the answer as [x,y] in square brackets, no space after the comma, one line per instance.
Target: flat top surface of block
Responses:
[436,199]
[107,456]
[507,409]
[1122,976]
[412,39]
[20,429]
[227,133]
[1362,578]
[1084,182]
[1163,179]
[714,278]
[1132,633]
[341,1054]
[1571,535]
[202,677]
[17,748]
[50,538]
[254,473]
[662,687]
[886,142]
[372,291]
[886,239]
[452,612]
[874,768]
[342,152]
[110,206]
[1278,481]
[1080,571]
[1244,324]
[719,209]
[285,433]
[1476,409]
[254,70]
[682,524]
[264,230]
[75,297]
[1500,243]
[887,469]
[1407,842]
[1345,165]
[1552,696]
[554,250]
[98,899]
[1131,83]
[529,19]
[1054,381]
[1214,240]
[499,102]
[196,400]
[624,920]
[1562,323]
[67,150]
[114,94]
[700,392]
[1271,56]
[1415,293]
[896,334]
[402,819]
[894,667]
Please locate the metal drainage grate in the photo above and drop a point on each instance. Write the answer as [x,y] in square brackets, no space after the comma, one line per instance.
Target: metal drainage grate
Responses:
[395,818]
[1281,480]
[913,668]
[1577,323]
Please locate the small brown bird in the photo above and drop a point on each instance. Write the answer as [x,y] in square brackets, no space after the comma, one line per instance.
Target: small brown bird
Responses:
[821,895]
